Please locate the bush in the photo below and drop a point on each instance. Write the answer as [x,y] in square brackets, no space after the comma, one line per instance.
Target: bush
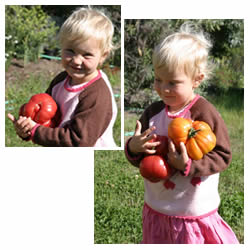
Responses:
[140,39]
[229,72]
[27,30]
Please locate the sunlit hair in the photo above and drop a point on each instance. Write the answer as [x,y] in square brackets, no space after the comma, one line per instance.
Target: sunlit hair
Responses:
[186,50]
[86,23]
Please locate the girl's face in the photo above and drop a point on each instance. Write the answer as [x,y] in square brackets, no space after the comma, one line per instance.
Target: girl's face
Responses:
[81,59]
[175,89]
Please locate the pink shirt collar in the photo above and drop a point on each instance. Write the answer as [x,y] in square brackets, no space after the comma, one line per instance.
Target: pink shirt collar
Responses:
[182,112]
[82,86]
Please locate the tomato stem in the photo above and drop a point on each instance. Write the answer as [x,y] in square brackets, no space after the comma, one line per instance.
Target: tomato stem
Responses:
[192,132]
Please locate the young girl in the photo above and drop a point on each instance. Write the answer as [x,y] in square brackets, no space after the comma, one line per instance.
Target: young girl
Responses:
[82,92]
[183,209]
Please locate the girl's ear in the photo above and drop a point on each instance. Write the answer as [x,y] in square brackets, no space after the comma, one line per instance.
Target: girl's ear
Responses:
[198,79]
[103,57]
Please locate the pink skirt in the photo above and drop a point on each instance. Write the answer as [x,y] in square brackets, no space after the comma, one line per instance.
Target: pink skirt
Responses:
[163,229]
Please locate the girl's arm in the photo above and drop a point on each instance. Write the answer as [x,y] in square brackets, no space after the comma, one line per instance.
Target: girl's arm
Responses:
[220,157]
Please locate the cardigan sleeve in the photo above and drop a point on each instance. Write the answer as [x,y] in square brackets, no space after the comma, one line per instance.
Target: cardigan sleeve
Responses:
[91,118]
[220,157]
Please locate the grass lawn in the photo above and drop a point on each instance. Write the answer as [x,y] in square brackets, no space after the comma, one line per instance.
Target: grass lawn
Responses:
[119,187]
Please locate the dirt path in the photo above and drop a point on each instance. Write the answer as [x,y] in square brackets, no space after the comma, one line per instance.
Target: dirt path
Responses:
[17,70]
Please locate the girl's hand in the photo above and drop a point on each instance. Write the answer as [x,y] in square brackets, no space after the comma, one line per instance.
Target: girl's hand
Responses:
[23,125]
[175,159]
[139,142]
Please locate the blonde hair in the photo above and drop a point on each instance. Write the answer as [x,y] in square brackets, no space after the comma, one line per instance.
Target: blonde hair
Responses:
[86,23]
[185,50]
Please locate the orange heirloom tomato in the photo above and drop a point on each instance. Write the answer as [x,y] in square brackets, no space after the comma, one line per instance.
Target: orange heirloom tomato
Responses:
[178,130]
[197,136]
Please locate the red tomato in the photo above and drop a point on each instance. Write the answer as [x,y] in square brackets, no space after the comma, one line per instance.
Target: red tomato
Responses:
[162,149]
[41,108]
[154,168]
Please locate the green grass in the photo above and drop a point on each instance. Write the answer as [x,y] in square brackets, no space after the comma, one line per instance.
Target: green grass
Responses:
[20,91]
[119,187]
[118,199]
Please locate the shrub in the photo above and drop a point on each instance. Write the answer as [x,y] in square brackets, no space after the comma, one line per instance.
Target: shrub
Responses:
[140,39]
[229,72]
[27,30]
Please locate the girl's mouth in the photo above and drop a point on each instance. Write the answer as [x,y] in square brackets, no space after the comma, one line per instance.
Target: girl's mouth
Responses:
[76,69]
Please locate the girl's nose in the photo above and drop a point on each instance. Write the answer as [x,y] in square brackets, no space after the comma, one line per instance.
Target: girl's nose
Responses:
[165,88]
[77,59]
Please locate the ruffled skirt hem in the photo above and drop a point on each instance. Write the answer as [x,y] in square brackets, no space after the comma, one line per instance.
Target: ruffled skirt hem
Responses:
[163,229]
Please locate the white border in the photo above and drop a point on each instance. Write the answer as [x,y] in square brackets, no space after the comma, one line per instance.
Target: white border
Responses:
[46,194]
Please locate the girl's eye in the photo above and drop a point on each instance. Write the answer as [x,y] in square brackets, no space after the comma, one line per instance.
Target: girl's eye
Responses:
[88,55]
